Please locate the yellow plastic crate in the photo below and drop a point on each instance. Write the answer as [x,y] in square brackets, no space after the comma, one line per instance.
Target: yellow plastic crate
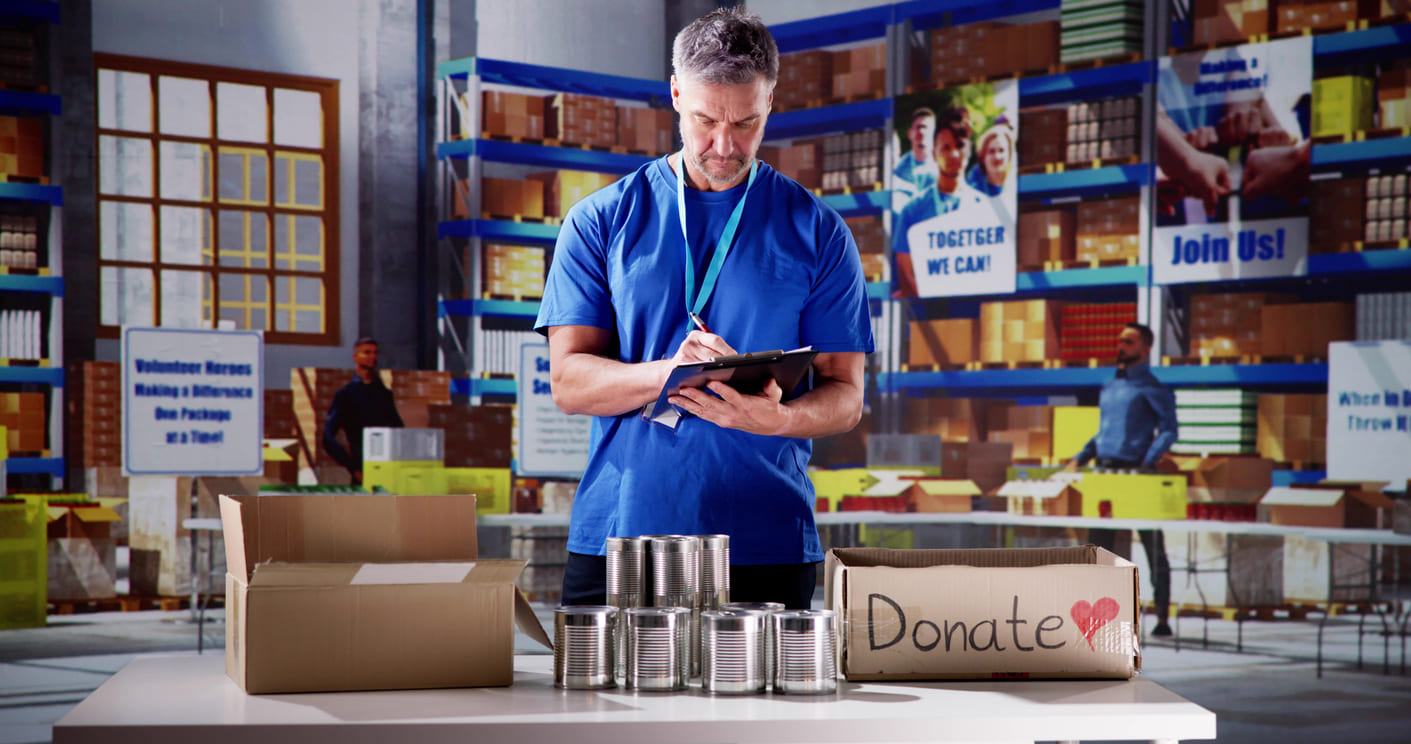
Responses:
[24,569]
[1342,105]
[491,487]
[407,478]
[1134,496]
[1073,426]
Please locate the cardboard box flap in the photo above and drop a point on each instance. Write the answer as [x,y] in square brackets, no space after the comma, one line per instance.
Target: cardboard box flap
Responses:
[303,574]
[1285,496]
[84,513]
[346,528]
[496,571]
[528,622]
[279,450]
[1032,489]
[947,487]
[978,557]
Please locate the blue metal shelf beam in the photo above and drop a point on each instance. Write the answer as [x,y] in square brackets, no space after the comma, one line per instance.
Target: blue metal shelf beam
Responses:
[1361,47]
[53,285]
[1110,276]
[40,9]
[846,117]
[21,103]
[30,465]
[529,233]
[32,192]
[856,205]
[1375,153]
[929,14]
[556,78]
[37,375]
[519,153]
[1098,82]
[1358,263]
[841,28]
[476,386]
[1082,183]
[1282,375]
[489,308]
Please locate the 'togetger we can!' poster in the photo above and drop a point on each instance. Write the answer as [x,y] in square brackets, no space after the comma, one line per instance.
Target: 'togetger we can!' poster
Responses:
[954,189]
[1232,156]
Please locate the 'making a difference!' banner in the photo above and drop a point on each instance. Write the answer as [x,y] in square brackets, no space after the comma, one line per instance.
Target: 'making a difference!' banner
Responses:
[1232,156]
[954,191]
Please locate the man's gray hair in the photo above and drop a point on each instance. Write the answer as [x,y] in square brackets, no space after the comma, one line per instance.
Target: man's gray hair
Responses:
[729,46]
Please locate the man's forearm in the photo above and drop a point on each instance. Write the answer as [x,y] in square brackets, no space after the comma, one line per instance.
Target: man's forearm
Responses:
[589,384]
[833,407]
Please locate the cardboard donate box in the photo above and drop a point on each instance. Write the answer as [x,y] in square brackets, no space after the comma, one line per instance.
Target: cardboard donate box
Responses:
[334,592]
[986,613]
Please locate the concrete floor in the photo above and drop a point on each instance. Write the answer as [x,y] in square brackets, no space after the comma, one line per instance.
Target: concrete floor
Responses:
[1268,693]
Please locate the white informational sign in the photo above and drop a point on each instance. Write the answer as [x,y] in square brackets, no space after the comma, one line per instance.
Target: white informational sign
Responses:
[551,442]
[1232,161]
[193,402]
[1369,411]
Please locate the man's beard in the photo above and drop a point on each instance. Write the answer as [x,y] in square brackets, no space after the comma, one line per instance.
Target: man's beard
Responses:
[700,162]
[1124,359]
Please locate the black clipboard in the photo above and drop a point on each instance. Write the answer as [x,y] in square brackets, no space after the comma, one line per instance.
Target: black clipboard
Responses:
[747,373]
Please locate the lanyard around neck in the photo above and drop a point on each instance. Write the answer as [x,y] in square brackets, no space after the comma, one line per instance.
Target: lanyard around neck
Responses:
[696,302]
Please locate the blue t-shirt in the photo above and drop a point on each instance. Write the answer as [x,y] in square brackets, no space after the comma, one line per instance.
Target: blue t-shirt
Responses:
[927,204]
[792,278]
[911,177]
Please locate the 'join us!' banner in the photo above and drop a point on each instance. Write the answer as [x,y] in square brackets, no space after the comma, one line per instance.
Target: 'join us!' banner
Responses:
[954,189]
[1232,156]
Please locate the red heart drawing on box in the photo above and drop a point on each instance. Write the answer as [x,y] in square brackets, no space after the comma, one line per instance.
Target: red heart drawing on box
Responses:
[1090,617]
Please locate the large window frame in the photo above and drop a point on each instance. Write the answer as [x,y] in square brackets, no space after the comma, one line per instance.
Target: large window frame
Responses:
[281,267]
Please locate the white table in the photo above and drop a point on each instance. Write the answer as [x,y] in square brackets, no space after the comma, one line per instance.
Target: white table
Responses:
[181,699]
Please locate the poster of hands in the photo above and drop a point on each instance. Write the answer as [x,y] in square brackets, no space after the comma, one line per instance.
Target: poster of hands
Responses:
[954,191]
[1232,156]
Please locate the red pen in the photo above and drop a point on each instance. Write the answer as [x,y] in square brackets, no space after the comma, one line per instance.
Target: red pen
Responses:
[700,323]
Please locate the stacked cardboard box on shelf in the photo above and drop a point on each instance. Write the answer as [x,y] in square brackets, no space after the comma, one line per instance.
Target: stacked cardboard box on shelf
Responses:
[979,50]
[643,129]
[476,436]
[22,147]
[512,271]
[1098,29]
[1109,128]
[871,239]
[861,71]
[415,390]
[1109,230]
[507,197]
[1342,105]
[1228,324]
[510,115]
[801,161]
[1293,427]
[984,463]
[952,419]
[1394,97]
[805,79]
[946,342]
[582,120]
[1296,15]
[1221,422]
[1386,208]
[19,241]
[280,421]
[1047,235]
[1384,316]
[18,66]
[1335,211]
[1305,329]
[1019,331]
[26,421]
[95,404]
[851,160]
[564,188]
[1045,137]
[1227,21]
[1027,429]
[1090,330]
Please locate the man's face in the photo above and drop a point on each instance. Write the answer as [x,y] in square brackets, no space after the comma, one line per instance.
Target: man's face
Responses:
[1130,347]
[365,356]
[951,154]
[922,134]
[721,127]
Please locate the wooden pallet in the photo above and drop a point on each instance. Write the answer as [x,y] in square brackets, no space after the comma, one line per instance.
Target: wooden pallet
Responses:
[563,144]
[125,603]
[1090,363]
[7,362]
[832,101]
[1007,365]
[863,189]
[1094,263]
[513,298]
[1204,361]
[17,178]
[25,88]
[1091,64]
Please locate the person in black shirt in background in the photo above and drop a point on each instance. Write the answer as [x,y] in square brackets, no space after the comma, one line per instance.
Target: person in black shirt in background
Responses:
[361,403]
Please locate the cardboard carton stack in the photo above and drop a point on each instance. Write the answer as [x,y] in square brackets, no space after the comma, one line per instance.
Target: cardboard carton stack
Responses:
[1296,15]
[95,401]
[1228,21]
[1104,129]
[1055,498]
[511,115]
[805,79]
[512,271]
[19,241]
[1109,230]
[508,197]
[1335,211]
[563,189]
[1394,97]
[1306,328]
[1225,480]
[22,147]
[978,50]
[1316,570]
[1045,137]
[1089,330]
[852,160]
[648,130]
[860,72]
[17,60]
[952,419]
[802,161]
[1221,422]
[1293,427]
[871,239]
[415,391]
[280,421]
[1228,324]
[1342,105]
[1384,316]
[1047,235]
[944,343]
[476,436]
[1386,209]
[1027,429]
[984,463]
[25,418]
[82,551]
[1019,331]
[1098,29]
[582,120]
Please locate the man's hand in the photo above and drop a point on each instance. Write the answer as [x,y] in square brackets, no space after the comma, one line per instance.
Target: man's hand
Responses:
[728,408]
[699,346]
[1203,138]
[1282,171]
[1072,466]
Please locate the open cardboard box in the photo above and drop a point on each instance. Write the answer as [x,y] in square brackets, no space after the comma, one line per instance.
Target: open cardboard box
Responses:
[985,613]
[334,592]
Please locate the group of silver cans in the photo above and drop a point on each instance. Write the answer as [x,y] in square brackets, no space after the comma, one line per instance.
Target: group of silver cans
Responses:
[669,619]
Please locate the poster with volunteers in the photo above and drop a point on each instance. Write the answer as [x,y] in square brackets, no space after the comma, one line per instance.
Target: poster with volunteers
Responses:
[193,402]
[954,191]
[1369,411]
[550,442]
[1232,156]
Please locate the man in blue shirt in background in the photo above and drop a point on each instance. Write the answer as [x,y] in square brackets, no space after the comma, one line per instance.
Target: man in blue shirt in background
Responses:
[1137,427]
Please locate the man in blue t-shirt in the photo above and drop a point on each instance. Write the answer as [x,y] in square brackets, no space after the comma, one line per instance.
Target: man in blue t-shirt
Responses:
[916,170]
[777,269]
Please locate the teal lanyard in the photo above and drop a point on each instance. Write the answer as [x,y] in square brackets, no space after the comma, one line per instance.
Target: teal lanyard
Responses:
[696,302]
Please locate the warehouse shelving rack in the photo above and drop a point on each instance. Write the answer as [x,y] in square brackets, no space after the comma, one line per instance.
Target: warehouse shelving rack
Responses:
[23,285]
